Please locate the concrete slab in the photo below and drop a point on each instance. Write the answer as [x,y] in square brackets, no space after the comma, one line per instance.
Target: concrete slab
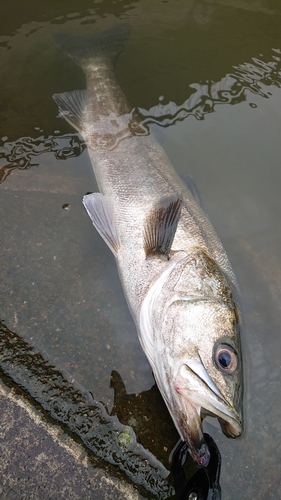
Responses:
[39,461]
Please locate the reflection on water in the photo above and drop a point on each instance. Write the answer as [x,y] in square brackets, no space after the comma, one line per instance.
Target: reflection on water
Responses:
[22,153]
[255,76]
[231,89]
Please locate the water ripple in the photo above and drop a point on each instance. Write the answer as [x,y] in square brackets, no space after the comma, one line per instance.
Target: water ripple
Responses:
[254,77]
[22,153]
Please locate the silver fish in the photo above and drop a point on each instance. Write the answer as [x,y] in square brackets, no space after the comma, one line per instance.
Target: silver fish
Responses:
[176,276]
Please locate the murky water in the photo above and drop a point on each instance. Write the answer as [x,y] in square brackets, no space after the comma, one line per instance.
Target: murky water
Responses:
[206,75]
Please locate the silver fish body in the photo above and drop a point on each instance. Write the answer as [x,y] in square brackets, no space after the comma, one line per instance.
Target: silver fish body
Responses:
[175,273]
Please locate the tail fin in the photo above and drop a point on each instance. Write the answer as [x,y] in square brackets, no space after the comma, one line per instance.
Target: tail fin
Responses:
[81,48]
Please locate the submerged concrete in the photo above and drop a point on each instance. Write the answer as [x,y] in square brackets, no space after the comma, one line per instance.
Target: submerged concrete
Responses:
[39,461]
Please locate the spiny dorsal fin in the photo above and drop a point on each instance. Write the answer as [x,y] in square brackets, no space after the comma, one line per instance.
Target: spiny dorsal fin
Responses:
[101,210]
[161,225]
[71,106]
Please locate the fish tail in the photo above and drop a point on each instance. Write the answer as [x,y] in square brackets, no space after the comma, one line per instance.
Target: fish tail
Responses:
[109,43]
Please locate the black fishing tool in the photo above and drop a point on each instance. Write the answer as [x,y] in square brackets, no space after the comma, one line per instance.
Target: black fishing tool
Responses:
[200,484]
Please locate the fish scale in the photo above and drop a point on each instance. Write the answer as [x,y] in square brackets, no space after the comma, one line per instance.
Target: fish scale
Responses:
[176,276]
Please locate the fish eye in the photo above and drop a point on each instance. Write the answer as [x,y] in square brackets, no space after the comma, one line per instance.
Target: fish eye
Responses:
[226,358]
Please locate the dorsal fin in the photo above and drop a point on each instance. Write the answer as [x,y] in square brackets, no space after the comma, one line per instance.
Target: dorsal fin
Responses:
[161,225]
[101,210]
[71,106]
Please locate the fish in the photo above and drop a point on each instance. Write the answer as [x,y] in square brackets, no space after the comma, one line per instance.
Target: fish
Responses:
[176,276]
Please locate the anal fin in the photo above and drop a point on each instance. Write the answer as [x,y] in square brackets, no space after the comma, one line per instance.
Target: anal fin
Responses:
[161,225]
[101,211]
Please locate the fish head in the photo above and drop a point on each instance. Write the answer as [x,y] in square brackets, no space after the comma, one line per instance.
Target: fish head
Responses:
[202,372]
[190,331]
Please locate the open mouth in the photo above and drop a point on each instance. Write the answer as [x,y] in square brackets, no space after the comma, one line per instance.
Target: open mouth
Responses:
[200,397]
[209,398]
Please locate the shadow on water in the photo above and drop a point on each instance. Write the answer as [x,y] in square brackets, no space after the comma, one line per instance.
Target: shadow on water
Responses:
[59,288]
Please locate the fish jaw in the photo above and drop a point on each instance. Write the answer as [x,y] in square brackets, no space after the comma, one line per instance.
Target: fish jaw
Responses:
[188,422]
[201,330]
[194,395]
[195,387]
[186,415]
[191,396]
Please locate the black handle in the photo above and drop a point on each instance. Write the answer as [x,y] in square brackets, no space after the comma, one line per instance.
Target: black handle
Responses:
[203,484]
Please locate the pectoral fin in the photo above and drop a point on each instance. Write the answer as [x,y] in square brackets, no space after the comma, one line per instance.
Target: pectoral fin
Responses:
[101,210]
[161,225]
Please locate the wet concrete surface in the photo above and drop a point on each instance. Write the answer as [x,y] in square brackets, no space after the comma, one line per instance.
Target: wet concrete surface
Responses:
[37,322]
[39,461]
[109,444]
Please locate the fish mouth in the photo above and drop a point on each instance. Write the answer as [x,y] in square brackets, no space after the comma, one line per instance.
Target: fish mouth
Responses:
[190,428]
[199,398]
